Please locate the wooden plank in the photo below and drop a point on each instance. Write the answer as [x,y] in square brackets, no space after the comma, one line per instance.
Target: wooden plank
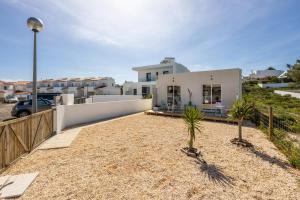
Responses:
[19,139]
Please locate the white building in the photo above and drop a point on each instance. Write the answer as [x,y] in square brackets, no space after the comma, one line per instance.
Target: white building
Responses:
[148,75]
[261,74]
[210,89]
[80,87]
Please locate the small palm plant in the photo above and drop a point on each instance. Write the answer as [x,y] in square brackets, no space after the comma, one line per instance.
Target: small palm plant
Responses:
[241,110]
[192,118]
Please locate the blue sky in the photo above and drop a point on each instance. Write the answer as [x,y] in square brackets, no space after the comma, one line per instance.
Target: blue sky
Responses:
[109,37]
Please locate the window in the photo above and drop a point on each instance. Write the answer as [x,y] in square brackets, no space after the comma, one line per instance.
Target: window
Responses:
[176,93]
[134,92]
[165,72]
[145,90]
[148,76]
[211,94]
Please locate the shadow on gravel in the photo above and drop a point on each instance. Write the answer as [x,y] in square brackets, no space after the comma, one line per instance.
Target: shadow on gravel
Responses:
[268,158]
[214,173]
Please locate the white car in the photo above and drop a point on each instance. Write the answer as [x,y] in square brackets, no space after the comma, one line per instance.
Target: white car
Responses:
[11,99]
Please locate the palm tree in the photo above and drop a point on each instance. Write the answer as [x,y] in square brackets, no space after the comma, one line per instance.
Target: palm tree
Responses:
[192,117]
[240,110]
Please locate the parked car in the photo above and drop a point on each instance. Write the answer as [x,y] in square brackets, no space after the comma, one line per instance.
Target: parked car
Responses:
[24,108]
[11,99]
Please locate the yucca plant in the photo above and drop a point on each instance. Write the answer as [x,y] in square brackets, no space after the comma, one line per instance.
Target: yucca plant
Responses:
[241,109]
[192,118]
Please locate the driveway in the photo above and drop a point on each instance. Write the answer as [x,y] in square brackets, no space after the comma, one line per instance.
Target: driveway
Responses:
[139,157]
[5,111]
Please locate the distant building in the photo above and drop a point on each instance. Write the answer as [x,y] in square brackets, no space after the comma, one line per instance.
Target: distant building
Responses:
[262,74]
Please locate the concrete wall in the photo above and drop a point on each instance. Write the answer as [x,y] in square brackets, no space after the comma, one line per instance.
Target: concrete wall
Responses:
[293,94]
[229,79]
[70,115]
[273,85]
[105,98]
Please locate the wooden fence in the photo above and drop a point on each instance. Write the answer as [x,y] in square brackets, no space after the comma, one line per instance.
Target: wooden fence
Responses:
[21,136]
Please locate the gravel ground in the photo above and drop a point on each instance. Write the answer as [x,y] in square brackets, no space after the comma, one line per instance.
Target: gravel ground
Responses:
[139,157]
[5,111]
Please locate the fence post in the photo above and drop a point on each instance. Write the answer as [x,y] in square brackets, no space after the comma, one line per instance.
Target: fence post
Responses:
[270,122]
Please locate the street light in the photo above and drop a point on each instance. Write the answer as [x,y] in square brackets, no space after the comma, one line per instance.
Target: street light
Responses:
[36,25]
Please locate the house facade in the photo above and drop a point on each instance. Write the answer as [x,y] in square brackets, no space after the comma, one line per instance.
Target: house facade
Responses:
[209,89]
[148,75]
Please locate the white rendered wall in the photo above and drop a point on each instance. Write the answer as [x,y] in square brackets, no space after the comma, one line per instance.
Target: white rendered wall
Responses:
[105,98]
[229,79]
[70,115]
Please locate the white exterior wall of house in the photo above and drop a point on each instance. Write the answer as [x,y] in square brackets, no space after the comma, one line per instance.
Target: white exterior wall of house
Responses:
[129,87]
[160,69]
[166,66]
[20,87]
[229,79]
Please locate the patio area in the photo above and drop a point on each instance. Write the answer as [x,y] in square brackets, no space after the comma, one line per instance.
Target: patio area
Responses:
[139,157]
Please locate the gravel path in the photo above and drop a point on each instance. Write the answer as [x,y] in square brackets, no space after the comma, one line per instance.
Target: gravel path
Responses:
[139,157]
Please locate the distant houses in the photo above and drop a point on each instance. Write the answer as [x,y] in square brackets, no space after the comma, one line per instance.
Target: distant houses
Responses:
[80,87]
[262,74]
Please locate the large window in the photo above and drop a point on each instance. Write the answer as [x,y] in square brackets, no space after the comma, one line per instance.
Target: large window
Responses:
[175,94]
[211,94]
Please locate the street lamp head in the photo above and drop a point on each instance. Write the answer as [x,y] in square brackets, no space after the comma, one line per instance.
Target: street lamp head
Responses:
[35,24]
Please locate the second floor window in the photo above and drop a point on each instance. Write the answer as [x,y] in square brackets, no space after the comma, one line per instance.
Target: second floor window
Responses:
[165,72]
[148,76]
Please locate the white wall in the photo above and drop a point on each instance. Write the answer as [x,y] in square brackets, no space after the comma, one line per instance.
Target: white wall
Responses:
[70,115]
[105,98]
[273,85]
[293,94]
[229,79]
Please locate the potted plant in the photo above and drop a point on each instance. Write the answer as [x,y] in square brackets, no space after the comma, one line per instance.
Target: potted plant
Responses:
[192,118]
[241,110]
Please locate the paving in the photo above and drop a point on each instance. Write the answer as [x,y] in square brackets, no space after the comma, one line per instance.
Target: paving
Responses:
[15,186]
[61,140]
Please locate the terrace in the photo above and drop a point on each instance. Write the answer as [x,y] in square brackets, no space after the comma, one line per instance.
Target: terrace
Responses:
[131,158]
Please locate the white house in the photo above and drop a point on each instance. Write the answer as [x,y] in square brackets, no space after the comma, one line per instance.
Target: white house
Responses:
[260,74]
[209,89]
[148,75]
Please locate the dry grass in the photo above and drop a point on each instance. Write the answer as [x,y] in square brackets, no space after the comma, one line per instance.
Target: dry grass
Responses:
[139,157]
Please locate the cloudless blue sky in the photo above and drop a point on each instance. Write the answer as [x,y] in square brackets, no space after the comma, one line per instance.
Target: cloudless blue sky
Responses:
[109,37]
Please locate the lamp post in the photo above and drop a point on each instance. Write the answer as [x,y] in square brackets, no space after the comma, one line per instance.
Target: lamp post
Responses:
[36,25]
